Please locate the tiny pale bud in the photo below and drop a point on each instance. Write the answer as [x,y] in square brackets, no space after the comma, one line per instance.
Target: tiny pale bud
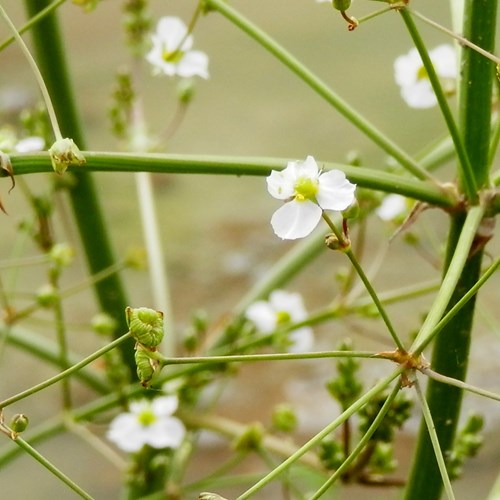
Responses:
[284,418]
[61,254]
[63,153]
[185,90]
[332,242]
[104,324]
[47,295]
[146,325]
[251,438]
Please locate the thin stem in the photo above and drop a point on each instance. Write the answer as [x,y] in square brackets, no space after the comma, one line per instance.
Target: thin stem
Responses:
[38,76]
[360,446]
[227,165]
[460,39]
[52,468]
[467,174]
[458,383]
[247,358]
[366,282]
[451,278]
[33,20]
[379,387]
[65,373]
[319,87]
[435,442]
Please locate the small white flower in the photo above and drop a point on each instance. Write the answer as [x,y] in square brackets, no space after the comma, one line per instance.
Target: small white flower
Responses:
[411,76]
[392,206]
[30,145]
[148,422]
[307,192]
[171,53]
[281,309]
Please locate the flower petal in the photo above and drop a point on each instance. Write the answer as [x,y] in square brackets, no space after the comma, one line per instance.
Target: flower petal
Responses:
[166,433]
[419,95]
[392,206]
[444,59]
[171,32]
[307,168]
[335,192]
[406,68]
[262,314]
[302,340]
[291,303]
[194,63]
[295,219]
[280,184]
[165,405]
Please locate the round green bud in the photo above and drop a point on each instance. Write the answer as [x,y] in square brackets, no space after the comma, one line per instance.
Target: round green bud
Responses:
[185,90]
[251,438]
[47,295]
[284,418]
[104,324]
[341,5]
[332,242]
[19,423]
[146,325]
[61,255]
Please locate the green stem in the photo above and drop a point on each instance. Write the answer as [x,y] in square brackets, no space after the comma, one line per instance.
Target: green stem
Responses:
[52,468]
[65,373]
[468,181]
[227,165]
[83,196]
[360,446]
[319,87]
[379,387]
[435,441]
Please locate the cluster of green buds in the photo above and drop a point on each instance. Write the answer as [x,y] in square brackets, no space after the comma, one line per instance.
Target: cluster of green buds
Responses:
[137,23]
[122,99]
[146,327]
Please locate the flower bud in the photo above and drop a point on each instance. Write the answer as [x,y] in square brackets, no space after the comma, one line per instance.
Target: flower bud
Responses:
[104,324]
[284,418]
[341,5]
[250,439]
[146,366]
[18,424]
[61,254]
[63,153]
[185,90]
[146,325]
[332,242]
[47,295]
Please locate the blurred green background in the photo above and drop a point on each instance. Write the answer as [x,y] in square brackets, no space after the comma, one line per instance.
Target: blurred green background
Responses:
[215,231]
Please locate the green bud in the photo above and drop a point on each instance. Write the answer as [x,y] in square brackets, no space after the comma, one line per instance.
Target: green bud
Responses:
[185,90]
[284,418]
[331,454]
[61,255]
[63,153]
[341,5]
[251,438]
[47,295]
[332,242]
[146,367]
[146,325]
[135,258]
[104,324]
[18,424]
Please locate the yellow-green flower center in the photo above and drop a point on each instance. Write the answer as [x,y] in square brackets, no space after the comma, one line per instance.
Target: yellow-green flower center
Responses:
[306,189]
[283,317]
[147,417]
[422,74]
[172,56]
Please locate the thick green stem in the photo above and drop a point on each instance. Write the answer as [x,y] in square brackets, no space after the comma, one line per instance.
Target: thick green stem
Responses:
[86,207]
[451,349]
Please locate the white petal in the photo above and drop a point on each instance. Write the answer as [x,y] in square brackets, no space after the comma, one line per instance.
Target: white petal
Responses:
[171,31]
[30,144]
[391,206]
[280,184]
[307,168]
[444,59]
[406,68]
[419,95]
[165,405]
[335,192]
[126,432]
[262,314]
[302,340]
[166,433]
[138,406]
[295,219]
[194,63]
[288,302]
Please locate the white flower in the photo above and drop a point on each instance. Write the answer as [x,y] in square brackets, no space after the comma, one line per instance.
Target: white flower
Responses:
[391,207]
[148,422]
[307,192]
[281,309]
[171,53]
[30,145]
[411,76]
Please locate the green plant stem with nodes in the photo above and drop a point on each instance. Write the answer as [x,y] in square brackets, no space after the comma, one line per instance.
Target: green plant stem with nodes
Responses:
[65,373]
[319,87]
[360,446]
[380,386]
[372,178]
[451,346]
[354,261]
[51,467]
[83,196]
[464,165]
